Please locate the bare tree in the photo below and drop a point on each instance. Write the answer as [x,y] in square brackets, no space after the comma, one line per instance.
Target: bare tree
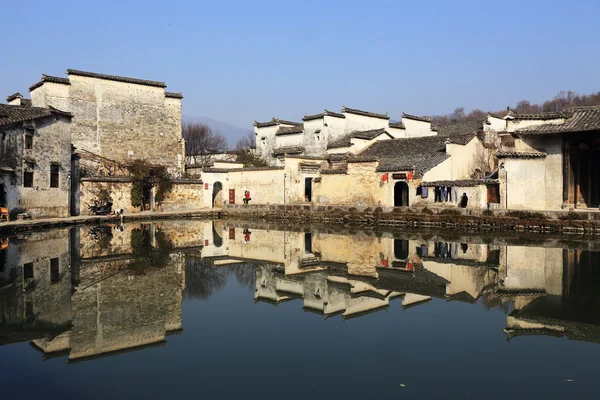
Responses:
[246,153]
[201,141]
[458,114]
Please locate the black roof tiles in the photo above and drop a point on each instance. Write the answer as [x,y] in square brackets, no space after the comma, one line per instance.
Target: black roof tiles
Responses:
[49,78]
[418,154]
[346,140]
[10,114]
[174,95]
[347,110]
[323,114]
[116,78]
[416,118]
[578,119]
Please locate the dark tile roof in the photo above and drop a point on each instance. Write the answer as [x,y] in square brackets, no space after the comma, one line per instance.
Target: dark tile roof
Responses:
[578,119]
[364,113]
[288,150]
[49,78]
[462,182]
[418,154]
[459,128]
[334,171]
[538,116]
[416,118]
[13,96]
[323,114]
[289,130]
[345,141]
[15,114]
[26,102]
[174,95]
[275,121]
[520,154]
[398,125]
[116,78]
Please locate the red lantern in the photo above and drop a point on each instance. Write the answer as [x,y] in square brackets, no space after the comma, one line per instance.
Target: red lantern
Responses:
[384,177]
[409,176]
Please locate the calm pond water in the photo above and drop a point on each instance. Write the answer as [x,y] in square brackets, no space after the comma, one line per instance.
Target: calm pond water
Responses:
[229,310]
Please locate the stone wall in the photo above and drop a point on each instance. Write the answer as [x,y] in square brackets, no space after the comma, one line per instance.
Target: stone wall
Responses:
[184,195]
[51,146]
[118,120]
[119,189]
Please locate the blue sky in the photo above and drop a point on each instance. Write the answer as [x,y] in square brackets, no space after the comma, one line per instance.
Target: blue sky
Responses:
[241,61]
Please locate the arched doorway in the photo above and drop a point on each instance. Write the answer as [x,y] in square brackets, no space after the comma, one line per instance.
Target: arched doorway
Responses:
[217,195]
[401,249]
[401,194]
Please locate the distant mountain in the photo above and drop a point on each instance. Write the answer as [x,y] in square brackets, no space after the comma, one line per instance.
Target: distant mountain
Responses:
[231,132]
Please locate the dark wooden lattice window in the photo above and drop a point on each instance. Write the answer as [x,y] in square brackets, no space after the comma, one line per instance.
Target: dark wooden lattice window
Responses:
[54,174]
[54,270]
[28,142]
[28,270]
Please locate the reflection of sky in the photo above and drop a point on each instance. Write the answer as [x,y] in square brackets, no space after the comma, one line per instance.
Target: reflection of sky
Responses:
[232,347]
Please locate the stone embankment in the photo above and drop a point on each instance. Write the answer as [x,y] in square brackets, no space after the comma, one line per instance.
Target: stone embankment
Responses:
[48,223]
[562,222]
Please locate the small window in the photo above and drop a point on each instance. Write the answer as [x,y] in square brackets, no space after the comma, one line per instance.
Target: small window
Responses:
[54,270]
[28,179]
[54,173]
[28,271]
[28,142]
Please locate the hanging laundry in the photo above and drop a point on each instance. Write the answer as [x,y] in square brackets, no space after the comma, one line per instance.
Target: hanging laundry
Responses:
[444,193]
[424,192]
[454,194]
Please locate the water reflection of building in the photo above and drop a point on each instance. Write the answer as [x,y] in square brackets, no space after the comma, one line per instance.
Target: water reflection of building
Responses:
[99,290]
[95,291]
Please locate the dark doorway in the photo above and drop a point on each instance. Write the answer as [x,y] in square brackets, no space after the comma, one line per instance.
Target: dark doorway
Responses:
[308,242]
[146,198]
[401,249]
[217,195]
[217,239]
[581,172]
[2,196]
[401,194]
[308,189]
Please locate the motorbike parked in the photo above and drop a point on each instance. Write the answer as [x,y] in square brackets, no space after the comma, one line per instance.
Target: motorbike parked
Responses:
[100,209]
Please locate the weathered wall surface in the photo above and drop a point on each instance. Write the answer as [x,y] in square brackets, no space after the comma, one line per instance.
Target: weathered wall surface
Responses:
[184,196]
[532,269]
[477,196]
[120,121]
[120,193]
[51,146]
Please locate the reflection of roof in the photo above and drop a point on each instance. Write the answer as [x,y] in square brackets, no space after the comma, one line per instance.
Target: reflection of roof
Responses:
[346,140]
[578,321]
[462,182]
[520,154]
[159,343]
[422,154]
[419,281]
[578,119]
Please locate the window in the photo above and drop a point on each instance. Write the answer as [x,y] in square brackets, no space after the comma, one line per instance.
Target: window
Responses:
[28,142]
[54,270]
[28,179]
[28,271]
[54,173]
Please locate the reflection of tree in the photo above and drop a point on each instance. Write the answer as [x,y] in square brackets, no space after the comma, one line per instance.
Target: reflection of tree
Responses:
[203,279]
[245,275]
[148,254]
